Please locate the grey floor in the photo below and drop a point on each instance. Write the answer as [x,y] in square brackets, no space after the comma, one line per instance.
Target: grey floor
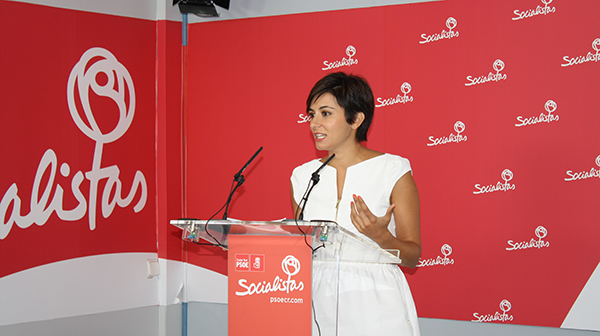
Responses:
[211,319]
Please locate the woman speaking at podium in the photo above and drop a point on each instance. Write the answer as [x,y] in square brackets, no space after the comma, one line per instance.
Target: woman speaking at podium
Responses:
[367,192]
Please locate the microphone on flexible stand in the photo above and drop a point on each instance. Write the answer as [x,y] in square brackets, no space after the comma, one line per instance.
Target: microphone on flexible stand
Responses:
[239,178]
[314,179]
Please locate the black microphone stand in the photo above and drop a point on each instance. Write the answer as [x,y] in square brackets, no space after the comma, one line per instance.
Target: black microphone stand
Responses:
[238,178]
[315,178]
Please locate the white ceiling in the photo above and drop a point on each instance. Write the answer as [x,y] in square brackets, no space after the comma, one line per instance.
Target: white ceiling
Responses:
[163,9]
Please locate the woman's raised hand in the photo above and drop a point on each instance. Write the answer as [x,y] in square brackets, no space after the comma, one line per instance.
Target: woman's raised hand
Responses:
[367,223]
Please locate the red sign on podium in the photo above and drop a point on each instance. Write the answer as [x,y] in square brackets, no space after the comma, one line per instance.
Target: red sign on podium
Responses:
[269,285]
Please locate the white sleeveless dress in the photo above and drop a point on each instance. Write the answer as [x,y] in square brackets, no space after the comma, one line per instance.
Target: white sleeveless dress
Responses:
[375,299]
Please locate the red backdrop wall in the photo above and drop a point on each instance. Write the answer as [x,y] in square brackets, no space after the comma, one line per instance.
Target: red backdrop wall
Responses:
[90,142]
[37,119]
[494,103]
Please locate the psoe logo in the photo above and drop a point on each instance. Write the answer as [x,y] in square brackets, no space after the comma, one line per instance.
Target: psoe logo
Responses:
[505,307]
[582,175]
[249,262]
[290,266]
[439,260]
[350,52]
[550,107]
[539,10]
[459,127]
[507,175]
[540,232]
[491,77]
[451,24]
[589,57]
[118,87]
[405,88]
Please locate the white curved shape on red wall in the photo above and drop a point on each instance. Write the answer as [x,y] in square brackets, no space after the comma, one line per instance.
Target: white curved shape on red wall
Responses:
[80,286]
[204,285]
[586,309]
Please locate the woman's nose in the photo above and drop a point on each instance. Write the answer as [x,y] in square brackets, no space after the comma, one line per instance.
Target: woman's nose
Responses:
[315,121]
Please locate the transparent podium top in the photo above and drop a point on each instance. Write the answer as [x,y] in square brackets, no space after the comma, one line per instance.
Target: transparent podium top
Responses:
[330,241]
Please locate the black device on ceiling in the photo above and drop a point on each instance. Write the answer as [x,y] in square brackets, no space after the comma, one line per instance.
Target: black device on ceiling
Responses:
[203,8]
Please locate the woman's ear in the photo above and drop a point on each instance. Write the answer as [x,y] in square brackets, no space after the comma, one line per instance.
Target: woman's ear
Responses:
[358,120]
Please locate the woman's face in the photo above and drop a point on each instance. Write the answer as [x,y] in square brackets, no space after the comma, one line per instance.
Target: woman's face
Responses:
[328,124]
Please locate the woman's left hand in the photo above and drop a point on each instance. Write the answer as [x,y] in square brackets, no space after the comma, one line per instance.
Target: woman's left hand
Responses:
[367,223]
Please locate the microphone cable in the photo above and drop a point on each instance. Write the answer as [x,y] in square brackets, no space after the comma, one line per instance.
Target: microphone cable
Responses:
[238,180]
[217,242]
[302,204]
[300,211]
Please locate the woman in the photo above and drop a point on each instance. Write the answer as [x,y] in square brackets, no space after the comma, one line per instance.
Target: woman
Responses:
[367,192]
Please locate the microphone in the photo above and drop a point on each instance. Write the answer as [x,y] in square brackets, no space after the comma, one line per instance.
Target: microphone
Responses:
[315,179]
[315,175]
[239,178]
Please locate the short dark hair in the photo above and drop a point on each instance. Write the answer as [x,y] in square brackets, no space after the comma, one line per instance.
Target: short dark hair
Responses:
[353,93]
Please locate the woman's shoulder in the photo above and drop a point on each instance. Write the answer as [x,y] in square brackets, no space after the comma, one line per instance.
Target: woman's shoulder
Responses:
[396,165]
[371,154]
[395,158]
